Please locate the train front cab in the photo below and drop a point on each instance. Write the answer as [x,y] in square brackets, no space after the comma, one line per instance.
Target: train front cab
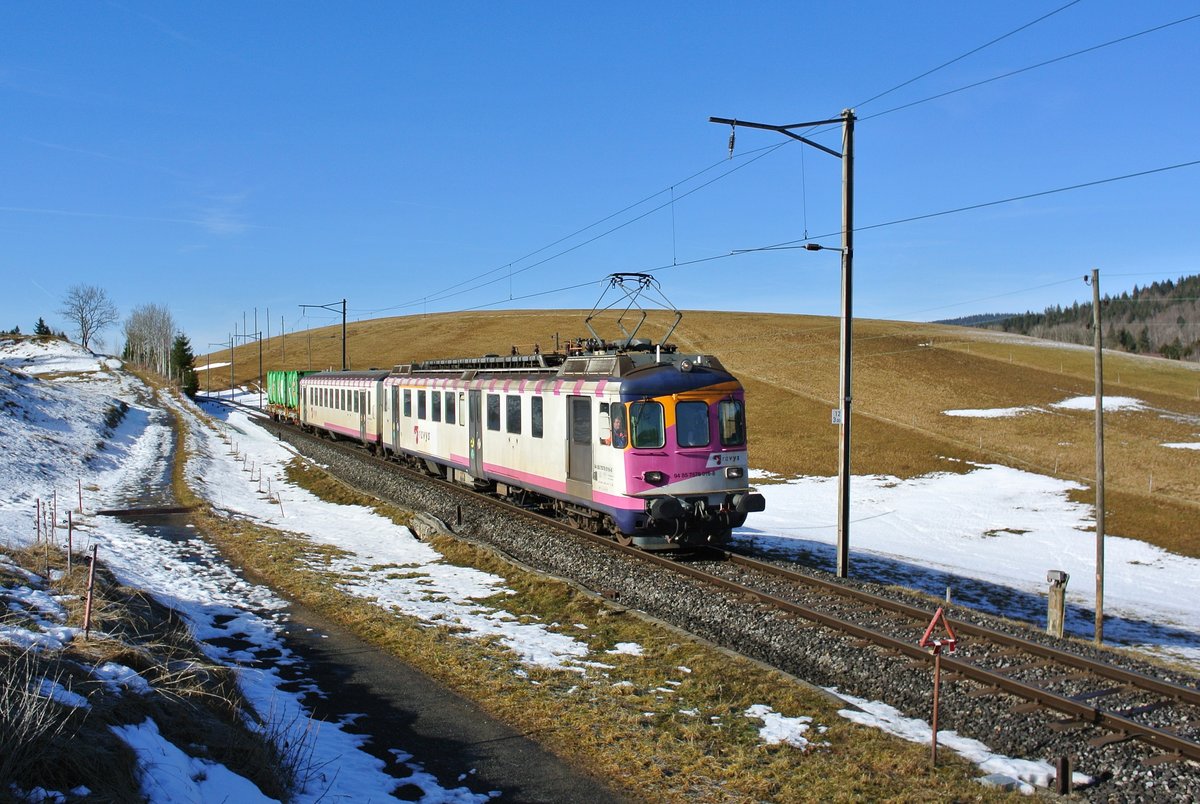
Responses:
[686,460]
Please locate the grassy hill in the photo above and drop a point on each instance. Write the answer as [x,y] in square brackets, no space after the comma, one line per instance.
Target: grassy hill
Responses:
[905,376]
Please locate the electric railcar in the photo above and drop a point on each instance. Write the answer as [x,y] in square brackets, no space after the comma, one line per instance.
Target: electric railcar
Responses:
[648,446]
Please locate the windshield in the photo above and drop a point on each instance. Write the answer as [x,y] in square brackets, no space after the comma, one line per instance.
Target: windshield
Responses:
[691,424]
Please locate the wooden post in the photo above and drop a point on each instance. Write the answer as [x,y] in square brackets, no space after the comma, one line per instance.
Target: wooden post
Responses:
[37,518]
[1099,371]
[1062,779]
[1054,615]
[87,605]
[70,539]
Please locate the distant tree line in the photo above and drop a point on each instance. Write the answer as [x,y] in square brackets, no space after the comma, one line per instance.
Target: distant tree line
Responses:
[977,320]
[1161,318]
[40,330]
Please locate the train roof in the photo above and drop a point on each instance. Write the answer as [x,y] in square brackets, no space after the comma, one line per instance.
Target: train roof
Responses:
[370,374]
[597,365]
[636,369]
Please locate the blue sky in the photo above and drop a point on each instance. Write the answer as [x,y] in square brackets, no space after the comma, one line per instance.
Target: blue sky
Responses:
[221,156]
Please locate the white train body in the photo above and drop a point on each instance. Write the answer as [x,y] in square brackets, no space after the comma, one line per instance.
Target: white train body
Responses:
[650,448]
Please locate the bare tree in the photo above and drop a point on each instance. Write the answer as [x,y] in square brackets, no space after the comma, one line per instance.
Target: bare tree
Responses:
[149,332]
[90,310]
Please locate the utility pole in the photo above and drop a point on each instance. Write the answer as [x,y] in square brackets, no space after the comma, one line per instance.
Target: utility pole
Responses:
[258,332]
[228,343]
[1099,456]
[331,307]
[847,319]
[258,337]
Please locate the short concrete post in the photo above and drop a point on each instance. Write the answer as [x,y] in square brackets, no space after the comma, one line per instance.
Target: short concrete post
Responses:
[1056,606]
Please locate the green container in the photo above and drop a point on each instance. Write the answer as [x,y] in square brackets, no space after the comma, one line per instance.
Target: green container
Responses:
[283,388]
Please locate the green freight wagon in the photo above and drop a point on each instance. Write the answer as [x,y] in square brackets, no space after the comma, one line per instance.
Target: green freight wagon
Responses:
[283,394]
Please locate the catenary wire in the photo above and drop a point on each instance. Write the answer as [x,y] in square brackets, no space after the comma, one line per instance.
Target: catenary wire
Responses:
[1046,63]
[971,52]
[444,294]
[792,244]
[438,294]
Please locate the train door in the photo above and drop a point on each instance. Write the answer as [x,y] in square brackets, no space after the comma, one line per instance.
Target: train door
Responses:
[579,446]
[361,404]
[475,431]
[395,414]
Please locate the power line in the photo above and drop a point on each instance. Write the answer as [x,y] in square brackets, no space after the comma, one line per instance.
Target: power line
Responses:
[792,243]
[996,296]
[444,293]
[763,152]
[964,55]
[1032,67]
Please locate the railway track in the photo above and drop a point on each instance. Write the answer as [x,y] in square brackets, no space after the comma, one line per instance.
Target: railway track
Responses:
[1081,692]
[1087,691]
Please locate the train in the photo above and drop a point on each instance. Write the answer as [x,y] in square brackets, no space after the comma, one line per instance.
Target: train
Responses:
[634,440]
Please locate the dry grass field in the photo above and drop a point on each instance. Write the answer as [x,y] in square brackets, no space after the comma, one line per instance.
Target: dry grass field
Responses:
[905,376]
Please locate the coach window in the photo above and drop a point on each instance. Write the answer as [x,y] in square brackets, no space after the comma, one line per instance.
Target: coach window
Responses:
[535,417]
[462,420]
[354,397]
[731,421]
[691,424]
[620,433]
[513,419]
[646,421]
[421,404]
[605,426]
[493,412]
[435,405]
[449,407]
[408,403]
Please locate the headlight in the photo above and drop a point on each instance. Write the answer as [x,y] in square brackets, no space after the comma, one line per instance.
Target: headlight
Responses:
[653,477]
[734,471]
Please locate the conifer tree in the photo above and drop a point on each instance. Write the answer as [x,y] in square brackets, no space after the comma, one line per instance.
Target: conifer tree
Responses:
[183,365]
